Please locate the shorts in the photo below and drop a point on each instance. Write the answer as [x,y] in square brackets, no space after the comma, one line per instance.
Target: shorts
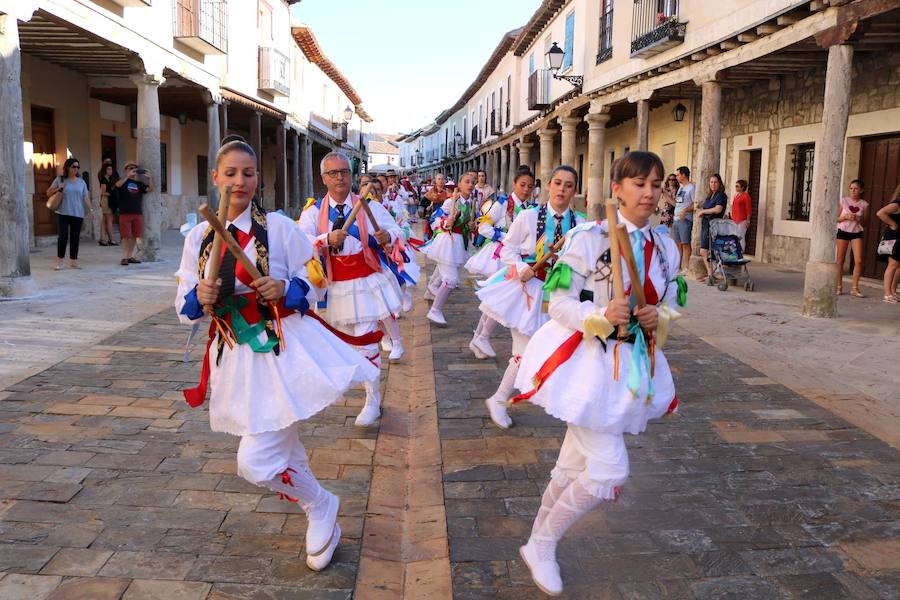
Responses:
[846,235]
[131,226]
[682,229]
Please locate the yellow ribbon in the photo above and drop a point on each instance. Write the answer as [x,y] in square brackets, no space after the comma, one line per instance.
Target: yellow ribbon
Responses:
[309,202]
[315,273]
[666,316]
[484,219]
[596,325]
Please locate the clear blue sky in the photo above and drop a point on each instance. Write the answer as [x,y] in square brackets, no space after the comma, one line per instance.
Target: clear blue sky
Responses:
[410,59]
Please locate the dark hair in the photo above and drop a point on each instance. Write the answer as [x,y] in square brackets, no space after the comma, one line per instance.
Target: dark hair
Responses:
[684,171]
[523,171]
[718,178]
[637,164]
[107,164]
[480,171]
[743,184]
[68,164]
[859,182]
[568,169]
[233,143]
[537,182]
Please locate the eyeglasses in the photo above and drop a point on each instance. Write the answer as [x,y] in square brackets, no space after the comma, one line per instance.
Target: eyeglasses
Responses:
[76,166]
[337,173]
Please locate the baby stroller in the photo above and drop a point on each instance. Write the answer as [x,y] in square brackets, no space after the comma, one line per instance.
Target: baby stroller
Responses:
[727,255]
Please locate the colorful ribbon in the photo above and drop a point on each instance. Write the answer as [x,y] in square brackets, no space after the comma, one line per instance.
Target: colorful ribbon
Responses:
[640,363]
[560,276]
[666,316]
[681,297]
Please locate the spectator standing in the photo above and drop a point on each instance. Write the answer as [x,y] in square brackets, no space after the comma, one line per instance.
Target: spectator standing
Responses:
[107,178]
[713,208]
[75,204]
[484,189]
[684,214]
[536,193]
[741,208]
[130,198]
[853,213]
[890,216]
[667,217]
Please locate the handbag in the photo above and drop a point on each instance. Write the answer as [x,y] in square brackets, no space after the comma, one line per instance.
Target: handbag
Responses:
[885,247]
[54,200]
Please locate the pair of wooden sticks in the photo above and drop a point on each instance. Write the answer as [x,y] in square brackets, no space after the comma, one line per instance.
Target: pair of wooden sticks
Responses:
[620,247]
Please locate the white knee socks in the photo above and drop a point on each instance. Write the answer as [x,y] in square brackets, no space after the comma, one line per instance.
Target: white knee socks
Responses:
[573,503]
[297,484]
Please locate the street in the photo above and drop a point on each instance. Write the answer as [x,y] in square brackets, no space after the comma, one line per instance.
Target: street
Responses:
[113,488]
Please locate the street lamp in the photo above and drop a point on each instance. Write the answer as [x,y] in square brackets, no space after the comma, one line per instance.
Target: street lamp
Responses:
[555,59]
[348,114]
[679,112]
[458,138]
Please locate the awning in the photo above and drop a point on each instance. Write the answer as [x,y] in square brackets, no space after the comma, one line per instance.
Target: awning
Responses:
[253,104]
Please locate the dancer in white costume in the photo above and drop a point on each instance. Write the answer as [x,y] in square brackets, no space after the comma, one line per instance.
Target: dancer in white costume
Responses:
[514,297]
[452,225]
[492,226]
[276,364]
[576,370]
[360,291]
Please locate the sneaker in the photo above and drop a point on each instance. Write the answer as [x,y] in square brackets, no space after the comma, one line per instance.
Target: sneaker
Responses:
[437,317]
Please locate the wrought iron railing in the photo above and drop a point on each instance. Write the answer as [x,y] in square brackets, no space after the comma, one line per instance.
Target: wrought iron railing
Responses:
[802,157]
[655,25]
[203,19]
[539,90]
[604,49]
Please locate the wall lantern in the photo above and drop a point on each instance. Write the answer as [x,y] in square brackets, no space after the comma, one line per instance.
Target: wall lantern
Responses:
[679,111]
[348,114]
[555,59]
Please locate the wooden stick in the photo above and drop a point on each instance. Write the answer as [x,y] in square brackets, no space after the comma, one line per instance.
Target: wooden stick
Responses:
[615,263]
[215,255]
[230,242]
[549,254]
[355,211]
[637,286]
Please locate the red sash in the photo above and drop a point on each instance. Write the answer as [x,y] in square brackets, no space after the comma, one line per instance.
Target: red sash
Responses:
[351,266]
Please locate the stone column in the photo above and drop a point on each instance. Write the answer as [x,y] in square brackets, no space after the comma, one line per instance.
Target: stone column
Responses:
[281,192]
[256,144]
[513,165]
[15,265]
[820,282]
[295,174]
[525,153]
[213,139]
[149,157]
[596,195]
[708,159]
[567,135]
[504,169]
[643,124]
[307,177]
[548,139]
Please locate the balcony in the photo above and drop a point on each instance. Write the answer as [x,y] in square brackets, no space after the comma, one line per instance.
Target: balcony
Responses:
[539,90]
[475,139]
[655,27]
[201,25]
[273,72]
[496,122]
[508,120]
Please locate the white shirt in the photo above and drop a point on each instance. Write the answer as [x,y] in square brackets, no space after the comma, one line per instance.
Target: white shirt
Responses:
[309,224]
[521,239]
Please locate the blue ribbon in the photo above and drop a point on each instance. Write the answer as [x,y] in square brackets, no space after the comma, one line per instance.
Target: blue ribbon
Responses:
[640,361]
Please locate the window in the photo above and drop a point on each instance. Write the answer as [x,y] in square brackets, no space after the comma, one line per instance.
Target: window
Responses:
[802,156]
[604,50]
[500,118]
[531,64]
[202,174]
[570,42]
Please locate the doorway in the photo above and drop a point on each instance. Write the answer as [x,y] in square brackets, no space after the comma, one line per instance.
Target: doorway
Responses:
[108,150]
[880,171]
[755,166]
[44,162]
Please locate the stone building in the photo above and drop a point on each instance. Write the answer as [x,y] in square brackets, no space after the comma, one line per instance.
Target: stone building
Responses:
[797,97]
[160,83]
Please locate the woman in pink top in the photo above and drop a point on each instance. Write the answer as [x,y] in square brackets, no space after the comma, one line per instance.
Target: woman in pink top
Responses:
[854,211]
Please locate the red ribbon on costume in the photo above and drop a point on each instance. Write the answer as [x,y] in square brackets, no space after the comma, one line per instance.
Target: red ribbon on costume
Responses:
[559,356]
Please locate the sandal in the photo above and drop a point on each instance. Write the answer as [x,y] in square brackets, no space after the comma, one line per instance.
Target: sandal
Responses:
[856,293]
[840,291]
[124,262]
[891,300]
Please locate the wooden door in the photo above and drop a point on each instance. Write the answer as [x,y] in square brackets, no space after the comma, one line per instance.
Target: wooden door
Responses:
[108,150]
[44,161]
[753,189]
[880,172]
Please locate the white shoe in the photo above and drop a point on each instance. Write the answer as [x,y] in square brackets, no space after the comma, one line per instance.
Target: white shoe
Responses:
[497,409]
[396,352]
[368,416]
[322,519]
[484,346]
[545,574]
[386,344]
[477,351]
[320,561]
[437,317]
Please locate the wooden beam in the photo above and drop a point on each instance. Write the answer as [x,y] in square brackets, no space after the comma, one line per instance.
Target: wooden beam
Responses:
[698,56]
[817,5]
[713,50]
[729,45]
[767,29]
[747,37]
[787,19]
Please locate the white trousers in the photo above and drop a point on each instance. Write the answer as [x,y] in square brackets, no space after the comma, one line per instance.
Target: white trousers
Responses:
[449,274]
[598,460]
[264,456]
[370,351]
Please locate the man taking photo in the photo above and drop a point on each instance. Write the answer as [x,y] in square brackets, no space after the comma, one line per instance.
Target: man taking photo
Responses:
[131,189]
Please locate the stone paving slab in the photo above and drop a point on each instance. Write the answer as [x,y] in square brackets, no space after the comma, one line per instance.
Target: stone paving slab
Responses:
[111,487]
[751,491]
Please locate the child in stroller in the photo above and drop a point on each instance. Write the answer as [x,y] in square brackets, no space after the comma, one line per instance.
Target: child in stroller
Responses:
[727,255]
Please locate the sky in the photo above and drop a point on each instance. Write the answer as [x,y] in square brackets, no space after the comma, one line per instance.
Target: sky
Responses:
[410,59]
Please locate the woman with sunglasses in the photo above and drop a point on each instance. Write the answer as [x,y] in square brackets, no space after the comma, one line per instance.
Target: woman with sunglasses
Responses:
[70,212]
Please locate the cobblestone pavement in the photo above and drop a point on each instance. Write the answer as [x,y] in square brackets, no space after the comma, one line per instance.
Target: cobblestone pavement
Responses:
[750,492]
[111,488]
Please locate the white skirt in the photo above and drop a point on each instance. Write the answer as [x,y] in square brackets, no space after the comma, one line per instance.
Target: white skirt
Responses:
[253,393]
[483,262]
[583,392]
[364,299]
[412,268]
[446,248]
[514,304]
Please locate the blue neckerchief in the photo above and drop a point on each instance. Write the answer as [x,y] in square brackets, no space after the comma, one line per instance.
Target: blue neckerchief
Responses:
[568,221]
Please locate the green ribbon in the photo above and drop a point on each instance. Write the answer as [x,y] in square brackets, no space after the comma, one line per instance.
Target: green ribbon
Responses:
[560,276]
[681,298]
[245,333]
